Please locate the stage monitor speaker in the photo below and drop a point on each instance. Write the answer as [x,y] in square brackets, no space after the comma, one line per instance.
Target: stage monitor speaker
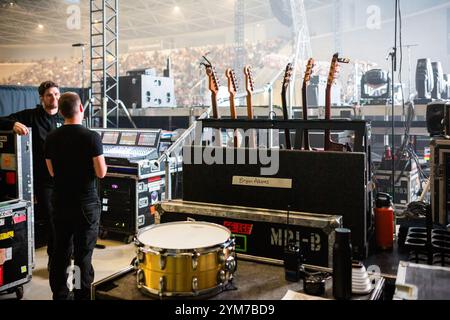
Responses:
[435,118]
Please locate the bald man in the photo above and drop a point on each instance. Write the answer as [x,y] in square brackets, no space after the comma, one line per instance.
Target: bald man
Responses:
[74,157]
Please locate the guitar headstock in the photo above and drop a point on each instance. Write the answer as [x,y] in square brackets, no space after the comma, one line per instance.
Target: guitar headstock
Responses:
[287,76]
[232,82]
[249,83]
[213,80]
[308,71]
[334,67]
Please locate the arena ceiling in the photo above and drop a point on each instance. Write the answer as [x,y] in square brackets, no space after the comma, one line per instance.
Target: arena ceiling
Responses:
[46,21]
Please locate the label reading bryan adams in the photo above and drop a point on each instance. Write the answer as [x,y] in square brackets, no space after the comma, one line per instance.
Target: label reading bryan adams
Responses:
[262,182]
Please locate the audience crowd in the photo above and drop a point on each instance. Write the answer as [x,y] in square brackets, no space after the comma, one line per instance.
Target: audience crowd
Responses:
[185,67]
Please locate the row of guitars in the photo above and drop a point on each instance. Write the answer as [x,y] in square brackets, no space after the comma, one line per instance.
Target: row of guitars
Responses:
[214,85]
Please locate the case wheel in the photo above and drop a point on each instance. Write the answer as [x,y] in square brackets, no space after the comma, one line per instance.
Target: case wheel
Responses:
[102,234]
[19,292]
[128,239]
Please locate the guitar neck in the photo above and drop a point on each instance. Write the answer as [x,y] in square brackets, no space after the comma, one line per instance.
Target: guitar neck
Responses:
[215,110]
[287,133]
[328,103]
[233,112]
[284,106]
[330,145]
[328,141]
[305,116]
[249,106]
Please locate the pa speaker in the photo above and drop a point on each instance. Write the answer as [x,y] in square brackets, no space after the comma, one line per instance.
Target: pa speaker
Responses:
[435,118]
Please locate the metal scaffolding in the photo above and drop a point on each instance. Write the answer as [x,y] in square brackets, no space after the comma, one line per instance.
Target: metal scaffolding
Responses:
[239,37]
[338,16]
[104,57]
[302,49]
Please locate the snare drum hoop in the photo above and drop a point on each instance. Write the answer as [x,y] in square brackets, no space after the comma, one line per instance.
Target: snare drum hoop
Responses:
[205,293]
[176,252]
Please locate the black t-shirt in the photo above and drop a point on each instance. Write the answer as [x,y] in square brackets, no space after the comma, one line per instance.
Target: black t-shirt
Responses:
[41,124]
[71,149]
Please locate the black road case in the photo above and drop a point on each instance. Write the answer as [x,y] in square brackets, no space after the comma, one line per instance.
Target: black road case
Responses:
[262,234]
[128,203]
[16,169]
[16,246]
[440,180]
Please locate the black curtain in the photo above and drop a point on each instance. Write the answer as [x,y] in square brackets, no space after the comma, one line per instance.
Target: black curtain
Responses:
[14,99]
[17,98]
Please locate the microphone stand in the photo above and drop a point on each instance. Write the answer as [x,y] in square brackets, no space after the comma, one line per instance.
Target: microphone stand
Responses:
[393,55]
[83,54]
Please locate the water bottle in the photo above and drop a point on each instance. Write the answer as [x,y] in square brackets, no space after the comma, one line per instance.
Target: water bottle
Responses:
[384,221]
[342,265]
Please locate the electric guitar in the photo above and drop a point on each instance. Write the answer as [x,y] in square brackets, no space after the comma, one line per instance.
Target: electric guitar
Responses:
[329,144]
[214,84]
[232,89]
[286,82]
[306,79]
[249,87]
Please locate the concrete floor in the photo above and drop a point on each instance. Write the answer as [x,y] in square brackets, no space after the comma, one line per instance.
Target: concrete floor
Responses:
[113,258]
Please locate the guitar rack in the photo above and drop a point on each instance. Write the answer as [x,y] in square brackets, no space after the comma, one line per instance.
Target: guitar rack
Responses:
[338,182]
[361,129]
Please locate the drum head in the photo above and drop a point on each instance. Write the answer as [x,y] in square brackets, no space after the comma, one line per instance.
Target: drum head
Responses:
[184,235]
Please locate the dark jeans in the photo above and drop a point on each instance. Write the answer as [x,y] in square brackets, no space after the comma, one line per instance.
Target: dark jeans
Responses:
[79,225]
[43,215]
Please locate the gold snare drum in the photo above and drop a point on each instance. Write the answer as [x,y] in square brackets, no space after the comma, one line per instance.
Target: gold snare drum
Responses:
[184,259]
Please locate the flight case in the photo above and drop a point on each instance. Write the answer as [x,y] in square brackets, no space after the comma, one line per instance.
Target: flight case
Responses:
[16,246]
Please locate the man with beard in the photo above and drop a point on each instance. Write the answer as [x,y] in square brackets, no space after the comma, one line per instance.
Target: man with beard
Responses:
[42,120]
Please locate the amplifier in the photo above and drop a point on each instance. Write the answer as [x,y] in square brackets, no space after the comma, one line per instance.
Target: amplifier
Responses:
[262,234]
[307,181]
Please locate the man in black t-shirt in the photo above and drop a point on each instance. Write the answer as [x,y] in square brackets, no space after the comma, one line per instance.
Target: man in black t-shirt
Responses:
[42,120]
[74,157]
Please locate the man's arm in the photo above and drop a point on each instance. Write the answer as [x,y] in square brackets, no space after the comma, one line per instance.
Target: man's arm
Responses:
[20,129]
[16,122]
[50,167]
[100,166]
